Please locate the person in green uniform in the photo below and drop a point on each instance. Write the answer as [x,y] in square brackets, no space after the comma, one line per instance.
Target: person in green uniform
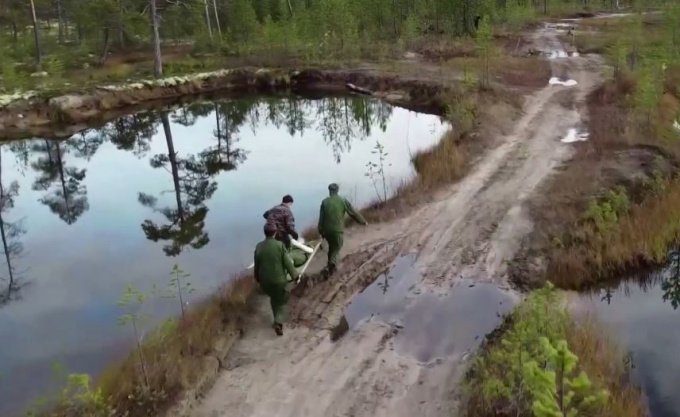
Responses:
[332,224]
[272,265]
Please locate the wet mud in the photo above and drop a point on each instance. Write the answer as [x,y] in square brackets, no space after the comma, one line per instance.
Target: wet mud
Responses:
[429,325]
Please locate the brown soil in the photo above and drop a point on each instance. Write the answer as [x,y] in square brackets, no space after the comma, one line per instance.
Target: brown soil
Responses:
[468,233]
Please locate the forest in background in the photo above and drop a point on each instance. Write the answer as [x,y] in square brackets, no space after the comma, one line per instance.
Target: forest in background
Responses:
[59,35]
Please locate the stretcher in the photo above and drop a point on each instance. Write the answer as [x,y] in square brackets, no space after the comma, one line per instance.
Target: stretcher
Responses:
[301,254]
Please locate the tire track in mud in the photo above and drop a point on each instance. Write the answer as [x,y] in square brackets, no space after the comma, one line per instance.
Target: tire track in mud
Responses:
[409,358]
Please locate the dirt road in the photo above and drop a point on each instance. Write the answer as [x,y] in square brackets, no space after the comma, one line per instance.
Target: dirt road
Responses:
[446,290]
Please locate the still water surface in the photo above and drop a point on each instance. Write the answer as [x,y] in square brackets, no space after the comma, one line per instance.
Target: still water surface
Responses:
[112,207]
[643,314]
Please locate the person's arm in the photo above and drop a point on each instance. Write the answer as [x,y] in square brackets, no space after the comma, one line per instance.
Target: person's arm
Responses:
[290,225]
[354,214]
[255,268]
[288,264]
[320,227]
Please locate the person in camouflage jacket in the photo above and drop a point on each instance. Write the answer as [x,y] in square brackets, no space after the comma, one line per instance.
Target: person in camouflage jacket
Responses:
[281,218]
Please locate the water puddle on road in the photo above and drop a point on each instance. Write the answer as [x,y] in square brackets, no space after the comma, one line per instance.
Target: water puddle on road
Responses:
[558,81]
[387,296]
[437,326]
[430,325]
[575,135]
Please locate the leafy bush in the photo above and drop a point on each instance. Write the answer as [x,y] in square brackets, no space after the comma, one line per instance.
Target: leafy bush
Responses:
[606,213]
[530,369]
[78,399]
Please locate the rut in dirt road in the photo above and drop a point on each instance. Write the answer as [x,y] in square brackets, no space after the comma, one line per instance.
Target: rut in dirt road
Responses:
[447,289]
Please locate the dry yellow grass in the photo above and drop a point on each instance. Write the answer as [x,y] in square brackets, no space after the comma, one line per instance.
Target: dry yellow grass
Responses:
[175,355]
[603,360]
[640,237]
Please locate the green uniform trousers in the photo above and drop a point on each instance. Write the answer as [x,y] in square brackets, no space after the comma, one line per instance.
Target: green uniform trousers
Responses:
[278,297]
[335,241]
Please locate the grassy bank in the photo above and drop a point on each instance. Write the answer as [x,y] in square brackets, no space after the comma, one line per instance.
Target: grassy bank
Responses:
[182,354]
[544,362]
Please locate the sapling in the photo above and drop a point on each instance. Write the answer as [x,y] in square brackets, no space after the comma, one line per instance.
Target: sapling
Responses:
[376,171]
[179,286]
[131,302]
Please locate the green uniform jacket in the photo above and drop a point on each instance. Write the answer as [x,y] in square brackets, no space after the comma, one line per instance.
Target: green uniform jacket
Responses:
[272,262]
[332,215]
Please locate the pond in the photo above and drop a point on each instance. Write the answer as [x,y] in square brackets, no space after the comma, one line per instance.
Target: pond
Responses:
[643,314]
[85,217]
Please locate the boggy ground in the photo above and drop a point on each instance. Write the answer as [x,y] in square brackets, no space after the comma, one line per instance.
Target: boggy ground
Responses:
[461,240]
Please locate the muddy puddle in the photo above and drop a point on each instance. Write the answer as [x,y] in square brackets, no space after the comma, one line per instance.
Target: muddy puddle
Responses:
[643,313]
[575,135]
[431,325]
[114,206]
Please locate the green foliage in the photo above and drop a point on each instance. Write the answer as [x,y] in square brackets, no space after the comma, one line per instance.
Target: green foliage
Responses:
[484,48]
[10,77]
[649,90]
[618,55]
[54,66]
[461,109]
[656,185]
[604,214]
[243,20]
[530,369]
[77,398]
[554,388]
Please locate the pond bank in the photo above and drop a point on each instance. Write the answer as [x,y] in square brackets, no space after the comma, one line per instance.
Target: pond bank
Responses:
[61,116]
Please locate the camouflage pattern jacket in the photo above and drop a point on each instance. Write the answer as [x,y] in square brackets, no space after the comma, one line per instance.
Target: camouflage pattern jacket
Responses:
[281,217]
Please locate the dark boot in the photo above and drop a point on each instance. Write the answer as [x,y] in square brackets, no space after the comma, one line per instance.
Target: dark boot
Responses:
[278,328]
[331,269]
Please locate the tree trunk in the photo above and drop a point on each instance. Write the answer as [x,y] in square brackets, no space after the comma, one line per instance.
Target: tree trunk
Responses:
[15,32]
[290,8]
[121,32]
[394,17]
[63,183]
[173,165]
[217,19]
[5,244]
[60,15]
[207,18]
[155,35]
[38,51]
[105,49]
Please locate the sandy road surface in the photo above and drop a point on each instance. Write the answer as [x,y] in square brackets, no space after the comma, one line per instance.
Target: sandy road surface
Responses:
[448,287]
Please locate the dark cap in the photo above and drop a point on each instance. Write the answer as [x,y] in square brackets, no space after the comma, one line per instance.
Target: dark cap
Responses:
[269,230]
[334,188]
[287,199]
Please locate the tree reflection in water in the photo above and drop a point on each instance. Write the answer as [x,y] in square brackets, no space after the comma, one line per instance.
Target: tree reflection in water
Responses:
[671,283]
[65,195]
[10,233]
[667,278]
[340,120]
[192,186]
